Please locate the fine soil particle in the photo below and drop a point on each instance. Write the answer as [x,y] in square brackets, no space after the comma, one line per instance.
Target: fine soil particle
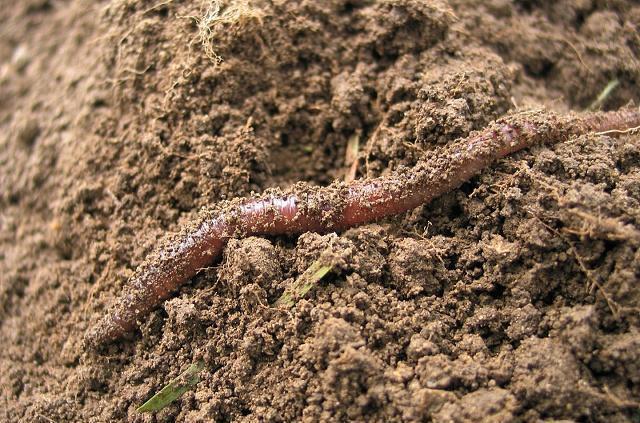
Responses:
[515,297]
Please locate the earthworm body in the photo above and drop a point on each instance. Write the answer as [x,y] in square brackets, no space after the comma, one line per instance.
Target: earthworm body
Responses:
[336,207]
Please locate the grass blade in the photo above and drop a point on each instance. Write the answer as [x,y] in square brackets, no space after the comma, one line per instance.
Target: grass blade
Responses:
[174,389]
[304,283]
[606,92]
[351,157]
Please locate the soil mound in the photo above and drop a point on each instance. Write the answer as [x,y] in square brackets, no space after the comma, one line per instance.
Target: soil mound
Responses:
[515,297]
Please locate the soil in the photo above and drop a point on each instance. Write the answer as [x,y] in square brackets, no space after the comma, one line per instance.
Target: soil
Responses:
[515,297]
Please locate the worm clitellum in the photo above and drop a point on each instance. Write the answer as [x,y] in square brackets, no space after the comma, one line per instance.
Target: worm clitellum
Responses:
[336,207]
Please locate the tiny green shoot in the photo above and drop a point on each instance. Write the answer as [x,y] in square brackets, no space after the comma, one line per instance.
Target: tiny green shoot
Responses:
[186,381]
[304,283]
[351,157]
[606,92]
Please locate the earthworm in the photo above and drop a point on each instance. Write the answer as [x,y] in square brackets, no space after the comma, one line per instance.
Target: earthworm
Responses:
[336,207]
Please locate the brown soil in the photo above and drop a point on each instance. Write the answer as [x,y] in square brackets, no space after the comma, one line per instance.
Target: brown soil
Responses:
[515,297]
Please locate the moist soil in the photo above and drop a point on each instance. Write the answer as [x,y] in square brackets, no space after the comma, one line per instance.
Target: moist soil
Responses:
[513,298]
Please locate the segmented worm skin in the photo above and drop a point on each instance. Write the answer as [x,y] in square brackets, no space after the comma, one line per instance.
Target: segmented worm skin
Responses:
[336,208]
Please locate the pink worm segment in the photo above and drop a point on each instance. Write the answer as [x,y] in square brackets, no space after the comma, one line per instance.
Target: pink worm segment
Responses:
[360,202]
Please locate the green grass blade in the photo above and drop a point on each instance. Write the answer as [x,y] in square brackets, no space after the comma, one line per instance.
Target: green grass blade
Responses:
[606,92]
[304,283]
[186,381]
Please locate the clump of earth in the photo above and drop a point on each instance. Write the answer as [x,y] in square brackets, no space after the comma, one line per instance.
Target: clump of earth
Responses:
[515,297]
